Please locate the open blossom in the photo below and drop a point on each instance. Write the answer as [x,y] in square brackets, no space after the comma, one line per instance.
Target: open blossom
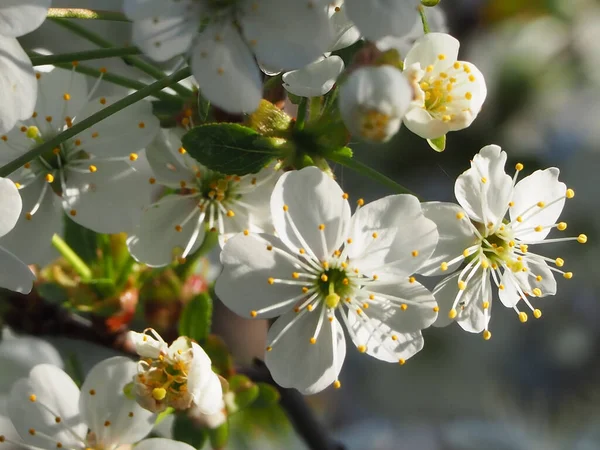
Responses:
[14,274]
[48,411]
[326,268]
[495,230]
[373,101]
[175,226]
[89,176]
[448,94]
[223,53]
[18,88]
[179,375]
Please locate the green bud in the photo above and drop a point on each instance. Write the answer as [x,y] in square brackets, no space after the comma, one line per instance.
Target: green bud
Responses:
[430,3]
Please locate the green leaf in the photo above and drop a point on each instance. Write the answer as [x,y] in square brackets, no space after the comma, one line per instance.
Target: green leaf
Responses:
[438,144]
[245,390]
[74,369]
[185,430]
[167,111]
[219,436]
[52,292]
[267,396]
[230,148]
[203,108]
[219,355]
[294,99]
[81,240]
[196,318]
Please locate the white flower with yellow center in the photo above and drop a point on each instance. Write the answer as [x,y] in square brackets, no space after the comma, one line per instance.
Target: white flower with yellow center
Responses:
[48,411]
[174,227]
[89,176]
[373,101]
[448,94]
[327,266]
[18,88]
[233,33]
[494,230]
[179,375]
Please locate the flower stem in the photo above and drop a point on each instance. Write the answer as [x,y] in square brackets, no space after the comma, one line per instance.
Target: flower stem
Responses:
[82,13]
[424,21]
[132,60]
[67,252]
[94,119]
[39,60]
[362,168]
[301,116]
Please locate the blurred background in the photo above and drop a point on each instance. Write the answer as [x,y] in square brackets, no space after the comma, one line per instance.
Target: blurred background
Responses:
[533,386]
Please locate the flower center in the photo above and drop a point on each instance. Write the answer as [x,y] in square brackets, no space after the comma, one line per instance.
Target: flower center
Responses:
[374,124]
[333,285]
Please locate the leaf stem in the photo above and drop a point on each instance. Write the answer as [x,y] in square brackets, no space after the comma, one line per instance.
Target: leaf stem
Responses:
[67,252]
[362,168]
[301,116]
[93,119]
[38,60]
[424,21]
[89,14]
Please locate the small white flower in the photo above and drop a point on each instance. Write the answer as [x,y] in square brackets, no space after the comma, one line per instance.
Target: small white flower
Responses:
[448,93]
[175,225]
[223,54]
[315,79]
[327,265]
[179,375]
[14,274]
[373,101]
[379,18]
[18,88]
[90,176]
[345,32]
[48,411]
[495,247]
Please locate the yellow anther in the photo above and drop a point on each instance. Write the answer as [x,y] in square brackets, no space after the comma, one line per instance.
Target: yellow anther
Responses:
[48,119]
[269,248]
[523,317]
[304,289]
[141,125]
[468,96]
[349,240]
[375,276]
[562,226]
[295,275]
[501,286]
[309,308]
[322,227]
[73,212]
[246,232]
[582,238]
[429,69]
[230,213]
[485,305]
[452,313]
[511,204]
[32,398]
[133,156]
[301,251]
[66,96]
[444,266]
[446,118]
[538,278]
[484,180]
[49,178]
[374,235]
[360,202]
[324,278]
[271,280]
[462,285]
[441,57]
[466,252]
[570,193]
[403,306]
[523,248]
[157,394]
[443,75]
[253,313]
[313,340]
[337,384]
[269,348]
[362,348]
[537,292]
[181,150]
[178,228]
[411,279]
[92,392]
[487,335]
[365,305]
[519,219]
[151,180]
[415,253]
[286,208]
[345,196]
[568,275]
[436,309]
[460,215]
[456,65]
[559,262]
[93,168]
[401,361]
[472,78]
[539,228]
[485,264]
[345,281]
[95,134]
[541,204]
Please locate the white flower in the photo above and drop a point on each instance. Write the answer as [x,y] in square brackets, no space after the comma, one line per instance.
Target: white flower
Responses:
[90,176]
[175,225]
[48,411]
[495,247]
[345,32]
[448,93]
[179,375]
[326,266]
[18,88]
[379,18]
[315,79]
[373,101]
[14,274]
[284,34]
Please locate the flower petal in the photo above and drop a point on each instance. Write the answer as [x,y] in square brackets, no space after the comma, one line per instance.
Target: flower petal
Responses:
[14,274]
[378,18]
[9,432]
[315,79]
[455,235]
[304,200]
[225,70]
[162,444]
[109,414]
[18,86]
[541,186]
[18,18]
[208,399]
[146,345]
[485,190]
[295,362]
[248,264]
[423,124]
[169,166]
[345,32]
[10,205]
[53,415]
[427,50]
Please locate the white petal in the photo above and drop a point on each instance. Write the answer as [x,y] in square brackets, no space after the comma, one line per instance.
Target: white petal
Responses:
[376,336]
[314,80]
[423,124]
[156,241]
[312,199]
[427,49]
[164,28]
[8,431]
[147,346]
[55,395]
[169,166]
[14,274]
[247,266]
[103,402]
[10,205]
[127,131]
[391,236]
[541,186]
[345,32]
[485,190]
[295,362]
[287,44]
[509,296]
[18,18]
[31,240]
[110,200]
[225,69]
[209,399]
[455,235]
[378,18]
[18,86]
[527,281]
[162,444]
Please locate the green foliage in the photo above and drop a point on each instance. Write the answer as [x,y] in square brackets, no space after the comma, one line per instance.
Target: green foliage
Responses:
[196,318]
[269,120]
[219,436]
[185,430]
[203,108]
[268,396]
[52,292]
[219,355]
[83,241]
[438,144]
[230,148]
[245,390]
